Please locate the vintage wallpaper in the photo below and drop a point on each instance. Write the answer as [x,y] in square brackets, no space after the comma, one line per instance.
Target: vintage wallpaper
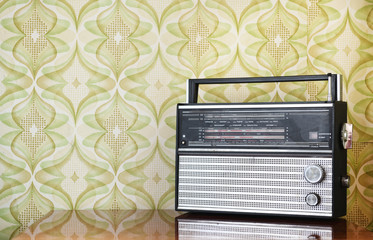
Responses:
[88,90]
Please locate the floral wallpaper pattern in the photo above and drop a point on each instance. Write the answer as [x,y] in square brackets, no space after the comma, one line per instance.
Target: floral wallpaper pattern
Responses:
[88,91]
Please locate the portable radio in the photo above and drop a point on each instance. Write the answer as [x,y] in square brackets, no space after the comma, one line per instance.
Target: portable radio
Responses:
[263,158]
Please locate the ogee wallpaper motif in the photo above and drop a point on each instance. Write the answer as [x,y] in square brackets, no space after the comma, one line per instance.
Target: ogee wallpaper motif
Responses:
[89,88]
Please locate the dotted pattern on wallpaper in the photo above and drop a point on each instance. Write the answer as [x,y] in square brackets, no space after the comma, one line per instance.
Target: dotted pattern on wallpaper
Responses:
[88,91]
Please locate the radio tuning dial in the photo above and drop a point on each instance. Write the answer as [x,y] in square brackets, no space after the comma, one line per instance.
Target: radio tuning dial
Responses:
[314,173]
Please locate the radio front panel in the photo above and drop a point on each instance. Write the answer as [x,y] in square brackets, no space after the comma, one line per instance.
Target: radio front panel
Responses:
[293,127]
[253,184]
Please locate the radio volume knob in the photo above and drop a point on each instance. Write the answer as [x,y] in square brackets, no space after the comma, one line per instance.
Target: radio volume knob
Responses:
[314,173]
[312,199]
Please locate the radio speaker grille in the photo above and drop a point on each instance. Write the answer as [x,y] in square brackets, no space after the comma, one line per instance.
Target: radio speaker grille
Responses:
[252,184]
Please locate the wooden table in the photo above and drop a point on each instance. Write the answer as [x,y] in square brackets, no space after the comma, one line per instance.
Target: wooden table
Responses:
[169,224]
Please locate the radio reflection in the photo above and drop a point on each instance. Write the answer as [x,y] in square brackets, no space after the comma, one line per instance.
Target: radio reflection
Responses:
[198,226]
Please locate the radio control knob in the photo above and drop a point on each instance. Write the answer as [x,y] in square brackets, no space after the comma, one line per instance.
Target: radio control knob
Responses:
[346,135]
[314,173]
[312,199]
[345,181]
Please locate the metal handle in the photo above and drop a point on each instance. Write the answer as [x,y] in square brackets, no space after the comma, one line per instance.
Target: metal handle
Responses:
[334,83]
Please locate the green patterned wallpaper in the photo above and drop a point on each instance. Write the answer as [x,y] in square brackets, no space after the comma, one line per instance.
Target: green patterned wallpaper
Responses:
[88,90]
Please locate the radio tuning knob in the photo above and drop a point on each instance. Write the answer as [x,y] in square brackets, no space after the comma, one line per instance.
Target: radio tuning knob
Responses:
[314,173]
[312,199]
[346,135]
[345,181]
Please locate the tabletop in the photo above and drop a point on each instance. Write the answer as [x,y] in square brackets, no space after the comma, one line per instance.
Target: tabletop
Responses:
[169,224]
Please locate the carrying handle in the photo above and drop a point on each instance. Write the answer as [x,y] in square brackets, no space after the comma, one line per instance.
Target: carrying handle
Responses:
[334,84]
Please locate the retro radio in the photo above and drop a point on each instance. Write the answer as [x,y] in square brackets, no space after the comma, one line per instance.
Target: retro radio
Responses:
[263,158]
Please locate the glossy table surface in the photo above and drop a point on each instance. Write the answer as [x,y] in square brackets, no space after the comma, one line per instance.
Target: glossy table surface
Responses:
[168,224]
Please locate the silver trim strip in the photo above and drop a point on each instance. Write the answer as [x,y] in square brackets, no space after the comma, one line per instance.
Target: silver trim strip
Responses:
[253,186]
[250,179]
[251,201]
[202,233]
[235,106]
[329,96]
[246,164]
[250,224]
[252,150]
[187,91]
[242,171]
[256,158]
[249,193]
[339,87]
[204,144]
[257,210]
[205,234]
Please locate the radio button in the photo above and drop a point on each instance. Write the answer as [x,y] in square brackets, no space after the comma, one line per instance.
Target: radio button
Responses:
[314,173]
[312,199]
[345,180]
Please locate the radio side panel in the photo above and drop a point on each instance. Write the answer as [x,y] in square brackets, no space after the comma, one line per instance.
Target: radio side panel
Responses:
[339,161]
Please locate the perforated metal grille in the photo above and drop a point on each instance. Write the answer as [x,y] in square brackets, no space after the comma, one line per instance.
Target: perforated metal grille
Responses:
[225,230]
[252,184]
